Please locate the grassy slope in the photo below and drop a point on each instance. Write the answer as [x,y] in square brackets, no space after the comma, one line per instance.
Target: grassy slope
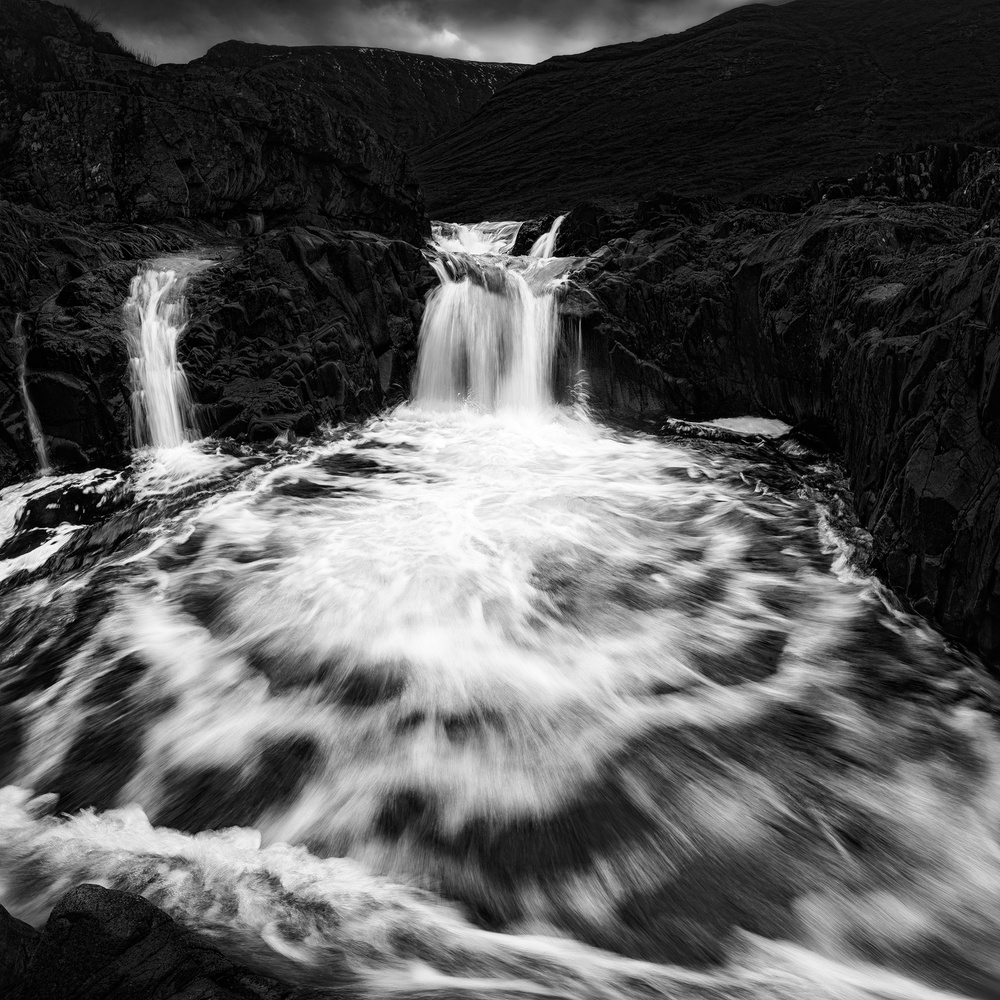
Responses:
[760,98]
[406,97]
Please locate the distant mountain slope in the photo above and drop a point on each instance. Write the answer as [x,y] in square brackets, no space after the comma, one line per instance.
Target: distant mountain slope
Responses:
[760,98]
[405,97]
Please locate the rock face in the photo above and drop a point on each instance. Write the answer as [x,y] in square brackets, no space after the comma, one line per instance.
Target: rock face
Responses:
[93,134]
[406,97]
[99,943]
[760,99]
[304,326]
[872,325]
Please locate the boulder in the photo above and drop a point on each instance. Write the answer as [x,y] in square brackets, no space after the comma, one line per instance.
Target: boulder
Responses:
[303,326]
[101,944]
[18,942]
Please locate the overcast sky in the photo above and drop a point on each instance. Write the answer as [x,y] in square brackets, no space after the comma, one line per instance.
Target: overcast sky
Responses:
[502,30]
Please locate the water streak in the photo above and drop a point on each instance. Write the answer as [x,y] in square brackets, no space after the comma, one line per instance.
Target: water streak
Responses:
[34,424]
[545,245]
[155,315]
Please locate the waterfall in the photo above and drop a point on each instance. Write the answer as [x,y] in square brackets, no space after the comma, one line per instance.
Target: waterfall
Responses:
[483,238]
[155,314]
[34,424]
[492,328]
[545,245]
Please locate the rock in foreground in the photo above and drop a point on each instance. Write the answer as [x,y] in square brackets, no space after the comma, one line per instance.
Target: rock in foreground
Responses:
[100,944]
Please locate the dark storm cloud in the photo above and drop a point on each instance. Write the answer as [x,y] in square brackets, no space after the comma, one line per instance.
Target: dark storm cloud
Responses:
[507,30]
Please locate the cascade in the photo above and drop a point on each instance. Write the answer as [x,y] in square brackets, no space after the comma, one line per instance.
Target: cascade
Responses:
[545,245]
[155,315]
[34,424]
[484,238]
[492,328]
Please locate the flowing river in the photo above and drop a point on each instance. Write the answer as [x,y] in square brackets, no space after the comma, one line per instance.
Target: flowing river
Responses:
[488,698]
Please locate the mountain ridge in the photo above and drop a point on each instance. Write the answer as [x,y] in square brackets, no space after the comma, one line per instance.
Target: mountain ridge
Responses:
[407,97]
[759,99]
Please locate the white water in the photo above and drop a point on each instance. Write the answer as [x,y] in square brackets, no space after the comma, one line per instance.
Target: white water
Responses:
[545,245]
[491,330]
[487,238]
[155,316]
[34,424]
[587,684]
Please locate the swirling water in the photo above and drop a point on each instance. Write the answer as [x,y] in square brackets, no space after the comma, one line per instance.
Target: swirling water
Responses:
[487,698]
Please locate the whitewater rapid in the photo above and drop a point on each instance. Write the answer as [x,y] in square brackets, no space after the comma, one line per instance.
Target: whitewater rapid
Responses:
[487,698]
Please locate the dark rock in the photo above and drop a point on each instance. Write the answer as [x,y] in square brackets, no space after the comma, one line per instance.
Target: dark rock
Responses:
[18,942]
[295,328]
[101,944]
[303,326]
[405,96]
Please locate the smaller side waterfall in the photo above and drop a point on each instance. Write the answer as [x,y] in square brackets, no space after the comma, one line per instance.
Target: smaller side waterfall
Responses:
[34,424]
[155,315]
[545,245]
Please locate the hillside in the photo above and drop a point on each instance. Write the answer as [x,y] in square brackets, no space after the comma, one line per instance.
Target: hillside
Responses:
[762,98]
[405,97]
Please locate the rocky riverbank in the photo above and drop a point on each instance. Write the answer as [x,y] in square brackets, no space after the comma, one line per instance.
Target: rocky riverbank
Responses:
[871,324]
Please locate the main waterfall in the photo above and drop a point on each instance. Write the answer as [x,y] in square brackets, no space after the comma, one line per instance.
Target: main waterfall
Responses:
[484,698]
[491,330]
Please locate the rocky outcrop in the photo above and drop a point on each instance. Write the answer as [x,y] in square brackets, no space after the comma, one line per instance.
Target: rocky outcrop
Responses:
[875,326]
[100,944]
[93,134]
[302,327]
[407,97]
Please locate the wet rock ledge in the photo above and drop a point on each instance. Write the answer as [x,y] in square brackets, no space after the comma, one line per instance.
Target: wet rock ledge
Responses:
[99,943]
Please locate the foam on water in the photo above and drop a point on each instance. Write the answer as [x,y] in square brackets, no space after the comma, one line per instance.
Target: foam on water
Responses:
[484,698]
[485,238]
